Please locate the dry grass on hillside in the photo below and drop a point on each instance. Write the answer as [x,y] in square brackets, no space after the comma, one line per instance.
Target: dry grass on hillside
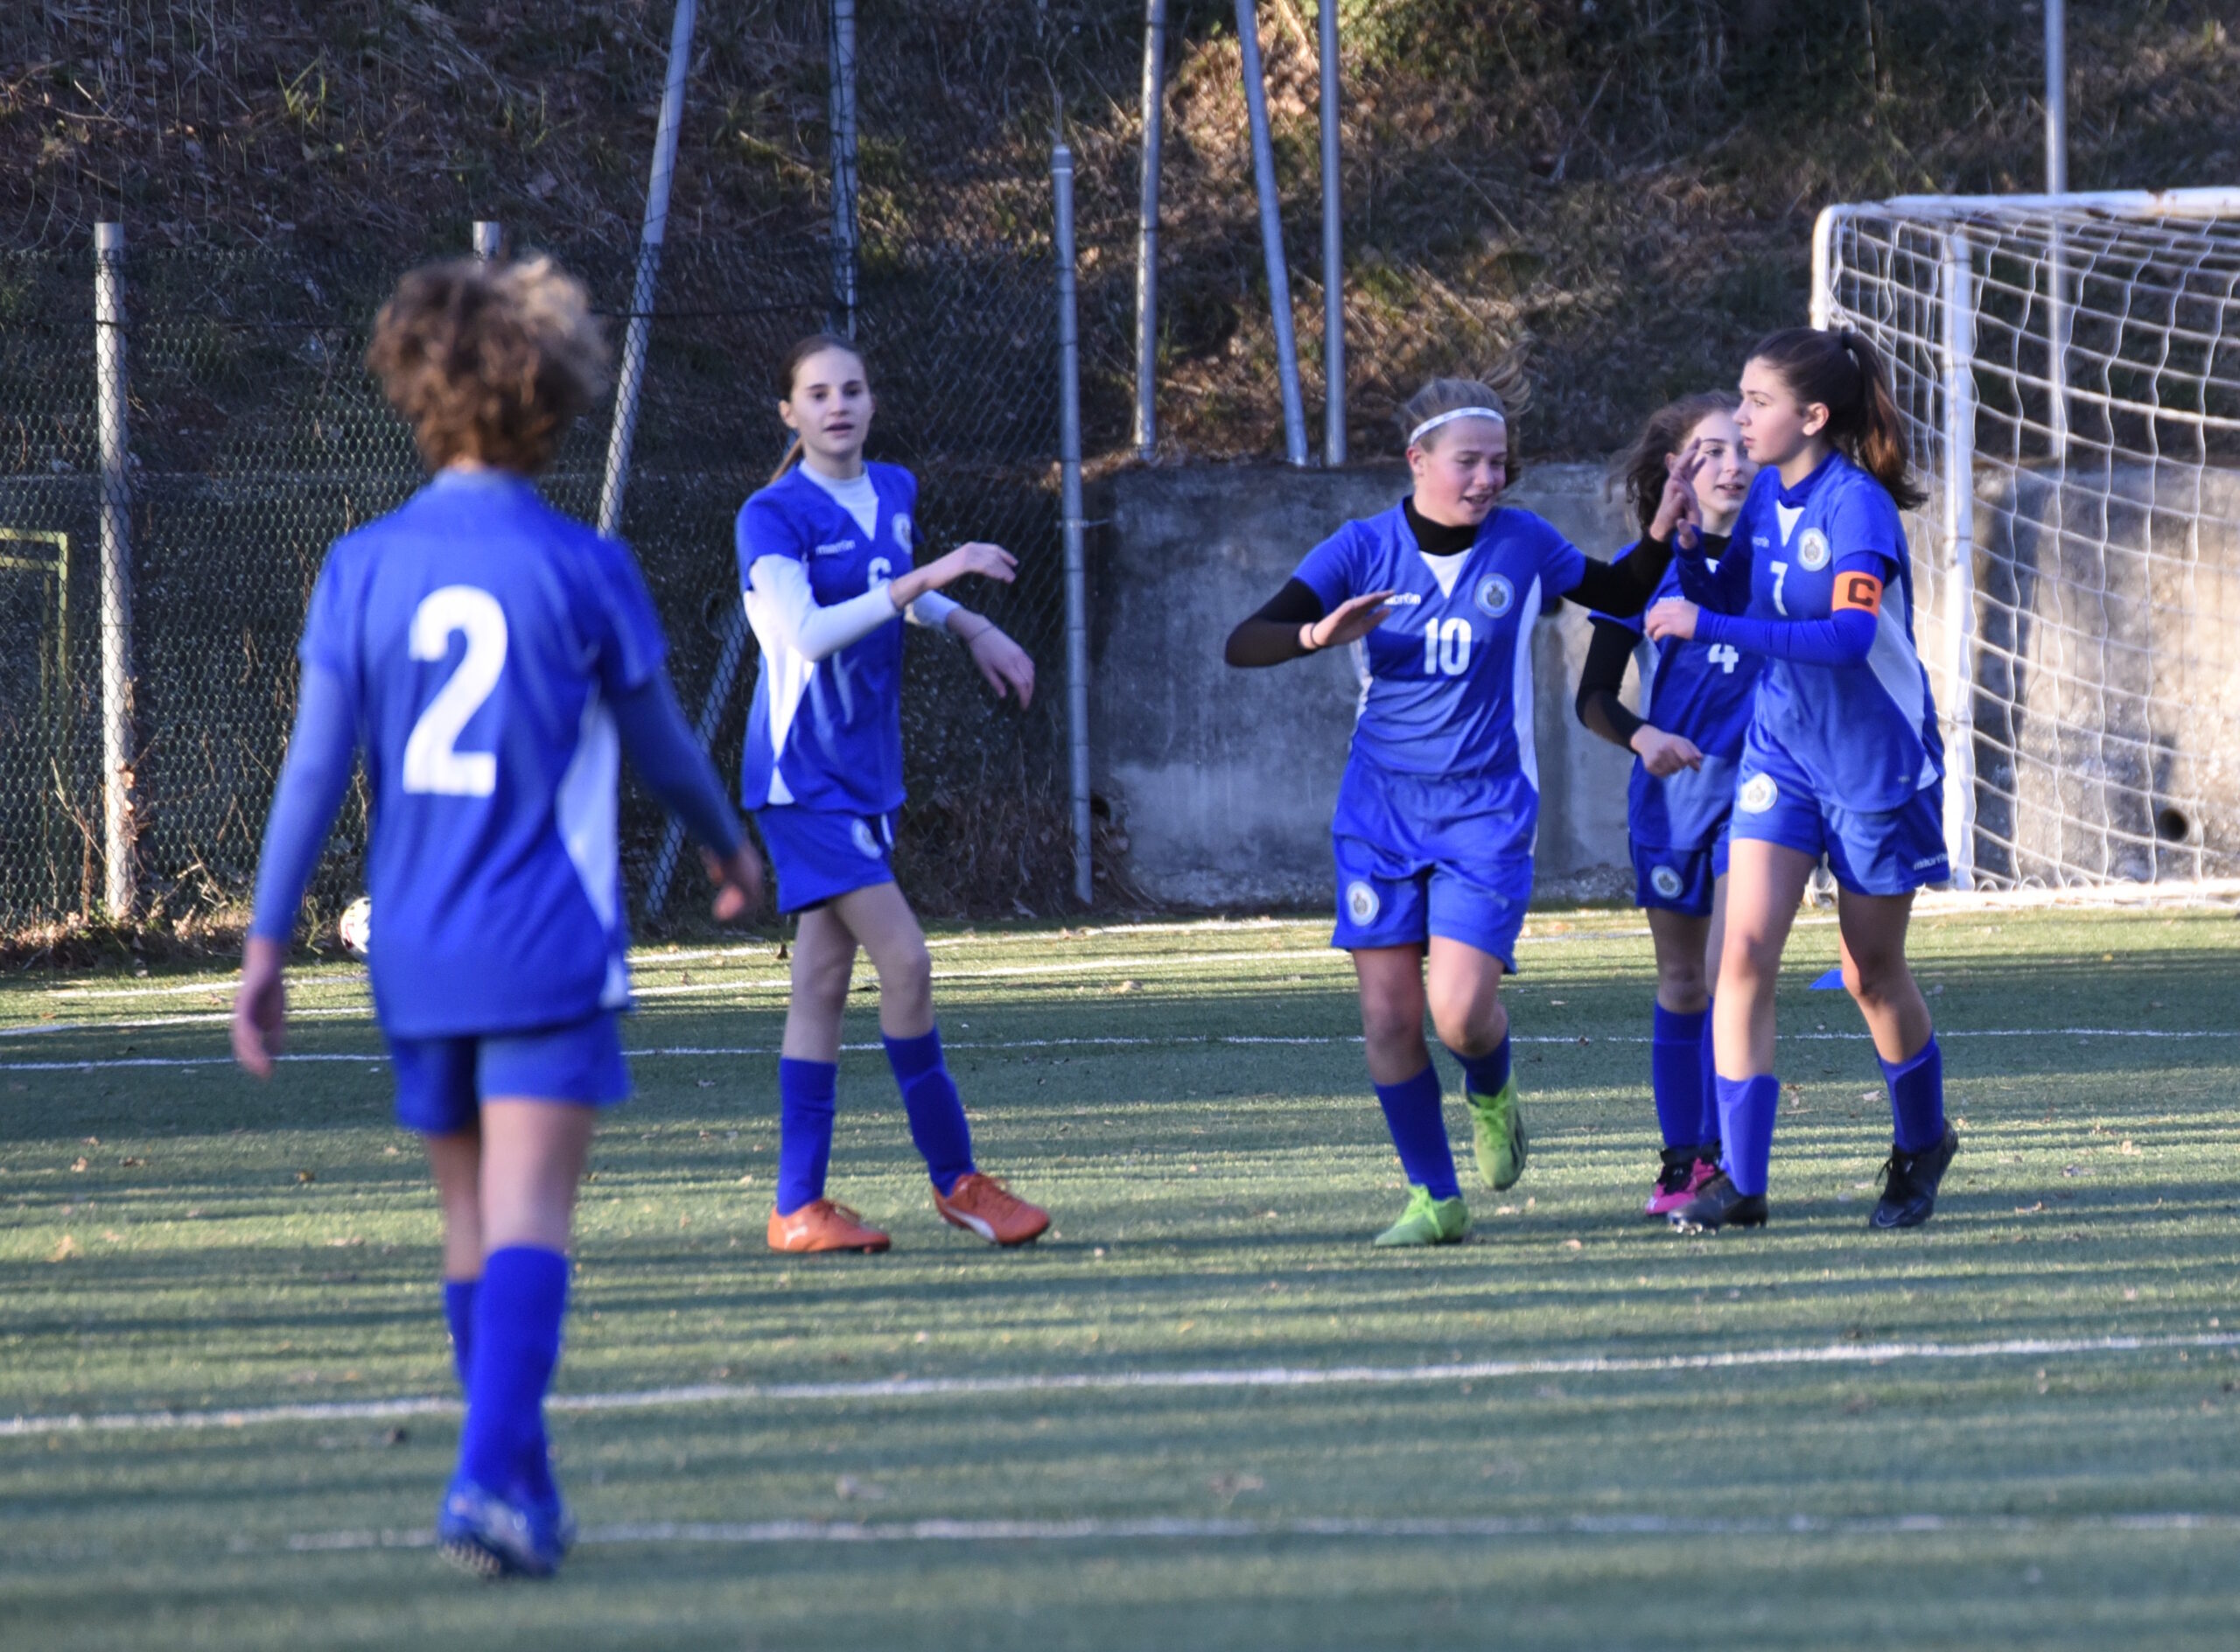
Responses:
[1623,188]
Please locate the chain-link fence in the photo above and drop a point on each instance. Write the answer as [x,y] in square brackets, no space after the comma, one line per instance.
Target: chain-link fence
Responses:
[255,437]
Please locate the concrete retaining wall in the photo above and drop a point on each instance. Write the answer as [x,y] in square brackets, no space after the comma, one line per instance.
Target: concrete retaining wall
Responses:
[1223,780]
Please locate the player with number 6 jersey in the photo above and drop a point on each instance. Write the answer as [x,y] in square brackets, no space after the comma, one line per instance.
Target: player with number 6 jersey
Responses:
[1843,761]
[1696,706]
[828,575]
[493,660]
[1440,806]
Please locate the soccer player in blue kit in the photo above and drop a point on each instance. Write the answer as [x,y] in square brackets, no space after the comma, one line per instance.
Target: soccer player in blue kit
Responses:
[825,567]
[1437,813]
[1695,699]
[1842,759]
[492,660]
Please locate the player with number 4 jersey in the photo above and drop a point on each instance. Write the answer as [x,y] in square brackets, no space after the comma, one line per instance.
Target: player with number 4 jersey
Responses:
[1696,706]
[1843,760]
[1440,806]
[494,662]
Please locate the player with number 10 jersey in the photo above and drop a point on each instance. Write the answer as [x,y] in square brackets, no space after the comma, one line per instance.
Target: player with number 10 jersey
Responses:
[1439,807]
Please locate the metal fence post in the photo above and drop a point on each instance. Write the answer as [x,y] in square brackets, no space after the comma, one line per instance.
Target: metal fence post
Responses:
[489,239]
[1334,269]
[1959,352]
[1147,231]
[2057,310]
[1069,455]
[841,49]
[117,823]
[630,381]
[1272,232]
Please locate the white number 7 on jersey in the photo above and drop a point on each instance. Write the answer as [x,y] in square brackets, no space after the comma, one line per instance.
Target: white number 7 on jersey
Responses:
[431,765]
[1780,578]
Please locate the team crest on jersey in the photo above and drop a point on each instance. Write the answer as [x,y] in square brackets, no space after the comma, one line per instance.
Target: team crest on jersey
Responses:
[1496,595]
[1757,795]
[1666,882]
[1812,550]
[1361,903]
[861,829]
[902,528]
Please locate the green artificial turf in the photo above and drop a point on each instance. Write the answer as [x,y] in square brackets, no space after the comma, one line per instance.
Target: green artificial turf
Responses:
[1535,1439]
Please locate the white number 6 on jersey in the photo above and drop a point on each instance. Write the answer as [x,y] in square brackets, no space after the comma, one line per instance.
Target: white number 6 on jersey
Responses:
[431,765]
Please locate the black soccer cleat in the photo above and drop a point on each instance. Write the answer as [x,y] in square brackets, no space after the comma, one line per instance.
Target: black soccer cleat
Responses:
[1910,1183]
[1720,1204]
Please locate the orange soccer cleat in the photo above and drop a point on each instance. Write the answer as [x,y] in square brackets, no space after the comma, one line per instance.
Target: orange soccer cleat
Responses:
[824,1225]
[983,1204]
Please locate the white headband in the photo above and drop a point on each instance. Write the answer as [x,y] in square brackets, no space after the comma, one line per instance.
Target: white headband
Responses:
[1438,419]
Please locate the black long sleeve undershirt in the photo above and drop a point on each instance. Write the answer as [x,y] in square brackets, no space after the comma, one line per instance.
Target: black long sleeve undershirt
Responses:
[1599,707]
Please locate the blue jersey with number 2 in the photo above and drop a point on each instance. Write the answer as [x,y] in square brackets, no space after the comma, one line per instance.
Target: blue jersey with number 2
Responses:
[480,635]
[1447,680]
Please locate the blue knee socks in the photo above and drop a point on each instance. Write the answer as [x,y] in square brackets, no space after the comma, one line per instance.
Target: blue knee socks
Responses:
[805,1106]
[458,1314]
[936,1115]
[1707,1132]
[1746,1107]
[1917,1097]
[516,1344]
[1676,1070]
[1413,1112]
[1486,1075]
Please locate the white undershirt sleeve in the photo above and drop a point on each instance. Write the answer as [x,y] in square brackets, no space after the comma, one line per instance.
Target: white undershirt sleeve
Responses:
[784,610]
[932,611]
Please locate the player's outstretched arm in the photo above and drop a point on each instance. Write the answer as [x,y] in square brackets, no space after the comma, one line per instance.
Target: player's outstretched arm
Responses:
[317,773]
[1293,624]
[669,762]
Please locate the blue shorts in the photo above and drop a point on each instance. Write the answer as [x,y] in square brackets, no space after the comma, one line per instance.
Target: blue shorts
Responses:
[819,854]
[1890,851]
[1678,880]
[441,1082]
[1407,870]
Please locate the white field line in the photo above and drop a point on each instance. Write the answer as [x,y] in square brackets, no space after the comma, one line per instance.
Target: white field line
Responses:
[1840,1354]
[1178,1040]
[1156,1528]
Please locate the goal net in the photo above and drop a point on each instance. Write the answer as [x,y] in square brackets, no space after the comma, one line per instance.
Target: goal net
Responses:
[2068,368]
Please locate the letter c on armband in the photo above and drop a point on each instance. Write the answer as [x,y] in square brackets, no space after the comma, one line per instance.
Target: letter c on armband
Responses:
[1862,592]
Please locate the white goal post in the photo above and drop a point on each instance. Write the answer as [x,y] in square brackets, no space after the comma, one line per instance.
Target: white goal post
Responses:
[2068,370]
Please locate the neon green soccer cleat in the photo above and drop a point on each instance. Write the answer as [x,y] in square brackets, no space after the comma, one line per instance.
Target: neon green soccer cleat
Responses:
[1497,1130]
[1428,1220]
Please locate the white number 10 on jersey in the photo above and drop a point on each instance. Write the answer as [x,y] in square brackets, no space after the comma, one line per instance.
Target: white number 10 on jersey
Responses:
[1446,648]
[431,765]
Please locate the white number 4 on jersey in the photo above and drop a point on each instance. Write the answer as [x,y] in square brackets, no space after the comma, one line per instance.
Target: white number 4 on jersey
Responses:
[1723,655]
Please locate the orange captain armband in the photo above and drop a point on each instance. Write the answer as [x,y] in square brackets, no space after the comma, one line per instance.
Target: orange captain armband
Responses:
[1862,592]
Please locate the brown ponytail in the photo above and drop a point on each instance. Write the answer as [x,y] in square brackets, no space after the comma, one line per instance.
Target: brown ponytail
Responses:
[1842,371]
[1641,472]
[814,344]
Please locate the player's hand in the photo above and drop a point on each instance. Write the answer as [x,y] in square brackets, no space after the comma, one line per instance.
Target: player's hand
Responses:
[1007,667]
[738,881]
[992,562]
[1349,621]
[260,1025]
[1663,754]
[1673,617]
[1679,514]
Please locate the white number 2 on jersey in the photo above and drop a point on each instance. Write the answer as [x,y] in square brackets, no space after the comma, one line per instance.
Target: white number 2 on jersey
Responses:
[1723,655]
[1446,648]
[431,765]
